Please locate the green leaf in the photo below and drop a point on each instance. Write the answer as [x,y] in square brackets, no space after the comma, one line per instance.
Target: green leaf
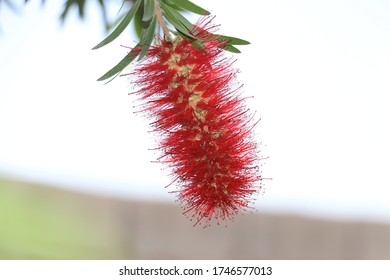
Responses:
[147,38]
[104,14]
[172,5]
[231,40]
[189,6]
[138,22]
[120,8]
[116,22]
[169,2]
[230,48]
[182,19]
[148,10]
[81,5]
[122,64]
[198,44]
[174,21]
[124,23]
[65,11]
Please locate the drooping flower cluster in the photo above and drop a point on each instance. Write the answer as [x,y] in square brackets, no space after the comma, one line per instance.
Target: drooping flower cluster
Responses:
[205,131]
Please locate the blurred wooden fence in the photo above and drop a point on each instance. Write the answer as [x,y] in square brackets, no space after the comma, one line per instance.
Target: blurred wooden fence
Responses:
[148,230]
[159,231]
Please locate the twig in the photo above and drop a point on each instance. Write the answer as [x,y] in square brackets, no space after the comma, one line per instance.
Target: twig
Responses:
[159,16]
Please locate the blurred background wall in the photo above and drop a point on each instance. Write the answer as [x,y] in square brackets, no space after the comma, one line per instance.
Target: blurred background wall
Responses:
[40,222]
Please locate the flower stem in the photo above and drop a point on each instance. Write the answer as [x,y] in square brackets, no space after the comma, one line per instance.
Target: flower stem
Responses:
[159,16]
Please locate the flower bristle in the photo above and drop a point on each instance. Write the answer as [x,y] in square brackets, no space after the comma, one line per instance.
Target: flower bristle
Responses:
[205,131]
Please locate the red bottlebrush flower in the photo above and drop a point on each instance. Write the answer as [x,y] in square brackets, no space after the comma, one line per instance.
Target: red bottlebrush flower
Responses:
[205,130]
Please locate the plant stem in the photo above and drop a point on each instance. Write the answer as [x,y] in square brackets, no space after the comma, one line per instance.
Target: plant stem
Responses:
[159,16]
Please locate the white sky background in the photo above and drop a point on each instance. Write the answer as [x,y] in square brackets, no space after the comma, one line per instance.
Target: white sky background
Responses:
[319,71]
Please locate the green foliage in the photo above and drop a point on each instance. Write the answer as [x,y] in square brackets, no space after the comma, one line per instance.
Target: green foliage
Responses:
[187,5]
[172,19]
[122,25]
[138,23]
[146,17]
[121,64]
[147,36]
[149,17]
[148,10]
[80,4]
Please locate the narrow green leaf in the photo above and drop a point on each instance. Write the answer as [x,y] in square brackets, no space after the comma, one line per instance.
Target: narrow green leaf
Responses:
[138,22]
[230,48]
[122,64]
[119,29]
[172,5]
[169,2]
[185,36]
[81,5]
[116,22]
[198,44]
[231,40]
[182,19]
[65,11]
[189,6]
[120,8]
[147,38]
[174,21]
[104,13]
[148,10]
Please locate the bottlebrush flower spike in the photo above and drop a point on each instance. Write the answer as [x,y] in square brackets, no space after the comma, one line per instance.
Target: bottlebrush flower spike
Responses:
[204,128]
